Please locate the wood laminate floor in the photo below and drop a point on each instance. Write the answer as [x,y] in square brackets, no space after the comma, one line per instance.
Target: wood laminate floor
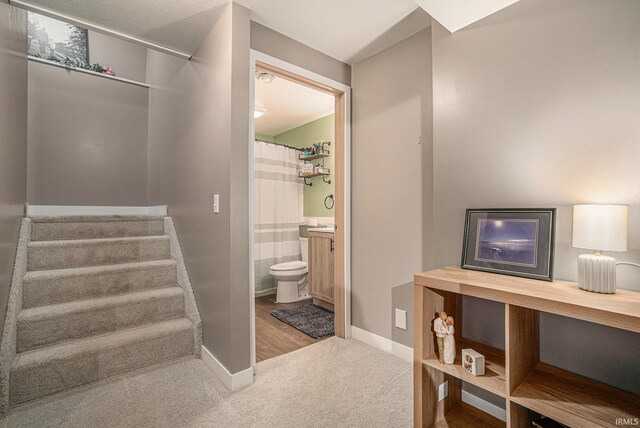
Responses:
[274,337]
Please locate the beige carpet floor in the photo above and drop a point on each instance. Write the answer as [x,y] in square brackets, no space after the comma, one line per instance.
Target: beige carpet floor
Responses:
[334,383]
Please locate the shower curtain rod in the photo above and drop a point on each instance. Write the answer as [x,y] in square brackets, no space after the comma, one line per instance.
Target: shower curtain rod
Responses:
[278,144]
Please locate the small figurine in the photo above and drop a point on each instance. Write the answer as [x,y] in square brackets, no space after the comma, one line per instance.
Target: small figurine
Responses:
[449,342]
[440,329]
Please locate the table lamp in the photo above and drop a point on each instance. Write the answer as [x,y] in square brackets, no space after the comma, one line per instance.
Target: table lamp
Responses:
[599,228]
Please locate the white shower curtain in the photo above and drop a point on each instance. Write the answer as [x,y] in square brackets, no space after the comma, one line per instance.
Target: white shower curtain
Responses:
[278,209]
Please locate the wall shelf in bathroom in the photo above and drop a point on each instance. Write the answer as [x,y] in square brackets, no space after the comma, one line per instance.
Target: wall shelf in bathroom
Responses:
[313,174]
[316,156]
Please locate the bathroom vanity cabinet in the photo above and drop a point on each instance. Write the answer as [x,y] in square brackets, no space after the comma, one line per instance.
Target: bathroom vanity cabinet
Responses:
[321,270]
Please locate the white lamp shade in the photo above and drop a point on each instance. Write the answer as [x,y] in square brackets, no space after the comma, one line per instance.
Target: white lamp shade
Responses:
[600,227]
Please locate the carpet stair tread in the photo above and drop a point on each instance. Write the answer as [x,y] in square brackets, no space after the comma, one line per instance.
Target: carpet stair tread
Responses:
[45,325]
[40,372]
[92,218]
[45,255]
[94,227]
[53,286]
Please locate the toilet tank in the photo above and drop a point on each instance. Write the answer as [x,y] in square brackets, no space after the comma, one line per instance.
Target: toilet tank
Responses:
[304,249]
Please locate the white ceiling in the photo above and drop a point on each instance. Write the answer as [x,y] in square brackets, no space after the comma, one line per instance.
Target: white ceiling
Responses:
[348,30]
[338,28]
[289,105]
[457,14]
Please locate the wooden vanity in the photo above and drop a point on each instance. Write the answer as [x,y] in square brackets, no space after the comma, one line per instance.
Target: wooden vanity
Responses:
[321,269]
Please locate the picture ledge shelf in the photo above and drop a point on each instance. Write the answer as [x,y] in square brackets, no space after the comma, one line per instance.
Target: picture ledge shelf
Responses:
[81,70]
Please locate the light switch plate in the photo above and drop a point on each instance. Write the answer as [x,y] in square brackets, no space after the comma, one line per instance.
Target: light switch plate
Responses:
[216,204]
[401,319]
[443,390]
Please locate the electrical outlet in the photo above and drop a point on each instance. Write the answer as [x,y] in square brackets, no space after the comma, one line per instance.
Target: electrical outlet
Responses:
[401,319]
[443,390]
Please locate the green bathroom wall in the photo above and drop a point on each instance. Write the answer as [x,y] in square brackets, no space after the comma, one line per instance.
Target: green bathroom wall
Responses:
[263,137]
[303,136]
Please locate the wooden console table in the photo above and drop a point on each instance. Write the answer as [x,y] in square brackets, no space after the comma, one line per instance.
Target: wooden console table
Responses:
[515,374]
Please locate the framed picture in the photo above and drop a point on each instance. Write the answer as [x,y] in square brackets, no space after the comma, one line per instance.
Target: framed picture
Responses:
[517,242]
[55,40]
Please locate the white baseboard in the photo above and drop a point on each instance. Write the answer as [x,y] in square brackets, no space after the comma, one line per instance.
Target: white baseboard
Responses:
[402,351]
[372,339]
[266,292]
[63,210]
[484,405]
[382,343]
[406,353]
[233,382]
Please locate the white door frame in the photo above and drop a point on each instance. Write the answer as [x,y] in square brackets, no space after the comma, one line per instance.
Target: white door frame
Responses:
[256,56]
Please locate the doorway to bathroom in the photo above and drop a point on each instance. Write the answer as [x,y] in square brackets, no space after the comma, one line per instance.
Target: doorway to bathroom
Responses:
[298,192]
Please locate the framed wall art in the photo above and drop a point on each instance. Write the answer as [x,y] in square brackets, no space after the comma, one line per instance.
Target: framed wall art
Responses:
[511,241]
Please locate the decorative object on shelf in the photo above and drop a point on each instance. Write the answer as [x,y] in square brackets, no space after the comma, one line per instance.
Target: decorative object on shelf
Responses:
[449,342]
[76,63]
[518,242]
[473,362]
[317,151]
[599,228]
[440,329]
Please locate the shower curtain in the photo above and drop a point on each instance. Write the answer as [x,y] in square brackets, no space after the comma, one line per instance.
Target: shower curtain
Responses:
[278,209]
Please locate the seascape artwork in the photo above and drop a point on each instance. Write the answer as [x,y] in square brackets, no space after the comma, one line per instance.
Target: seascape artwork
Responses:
[507,241]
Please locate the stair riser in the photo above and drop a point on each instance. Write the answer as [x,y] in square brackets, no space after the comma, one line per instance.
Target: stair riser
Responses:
[51,376]
[34,333]
[95,230]
[96,254]
[51,291]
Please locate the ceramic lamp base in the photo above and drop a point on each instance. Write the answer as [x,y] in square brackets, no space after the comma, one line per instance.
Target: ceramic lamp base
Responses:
[597,273]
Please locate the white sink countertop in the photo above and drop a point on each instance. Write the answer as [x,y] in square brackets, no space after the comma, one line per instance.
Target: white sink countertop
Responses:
[327,229]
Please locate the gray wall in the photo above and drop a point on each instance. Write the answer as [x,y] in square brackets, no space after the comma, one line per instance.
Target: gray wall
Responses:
[391,181]
[278,45]
[537,105]
[87,139]
[127,60]
[199,139]
[13,140]
[402,298]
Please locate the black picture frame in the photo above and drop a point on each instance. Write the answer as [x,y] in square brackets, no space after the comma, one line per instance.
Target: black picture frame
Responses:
[510,241]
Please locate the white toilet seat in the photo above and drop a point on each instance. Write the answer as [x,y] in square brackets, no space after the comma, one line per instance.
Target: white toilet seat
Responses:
[289,270]
[290,277]
[289,266]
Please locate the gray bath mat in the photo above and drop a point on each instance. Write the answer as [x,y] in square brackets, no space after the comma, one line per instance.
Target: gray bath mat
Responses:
[309,319]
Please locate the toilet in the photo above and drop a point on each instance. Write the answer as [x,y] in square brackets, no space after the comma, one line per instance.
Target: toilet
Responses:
[291,277]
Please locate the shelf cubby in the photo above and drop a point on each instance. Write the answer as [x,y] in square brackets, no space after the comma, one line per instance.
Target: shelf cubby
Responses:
[465,415]
[516,374]
[494,379]
[574,400]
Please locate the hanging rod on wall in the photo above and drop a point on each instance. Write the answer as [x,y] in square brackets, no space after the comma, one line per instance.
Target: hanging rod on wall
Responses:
[278,144]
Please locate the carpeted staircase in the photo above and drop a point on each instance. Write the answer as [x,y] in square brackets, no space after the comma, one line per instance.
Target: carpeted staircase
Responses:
[100,298]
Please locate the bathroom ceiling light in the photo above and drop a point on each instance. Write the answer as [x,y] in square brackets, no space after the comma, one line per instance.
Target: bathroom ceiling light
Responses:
[258,112]
[265,77]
